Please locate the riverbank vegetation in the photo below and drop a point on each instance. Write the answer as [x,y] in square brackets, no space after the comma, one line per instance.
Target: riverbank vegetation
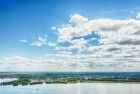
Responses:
[65,78]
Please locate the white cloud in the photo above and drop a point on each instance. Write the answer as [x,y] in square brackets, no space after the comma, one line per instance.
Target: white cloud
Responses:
[43,42]
[77,20]
[52,44]
[39,42]
[118,48]
[138,16]
[117,37]
[23,40]
[78,44]
[60,62]
[103,27]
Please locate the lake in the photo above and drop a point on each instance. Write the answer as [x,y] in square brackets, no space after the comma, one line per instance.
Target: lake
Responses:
[78,88]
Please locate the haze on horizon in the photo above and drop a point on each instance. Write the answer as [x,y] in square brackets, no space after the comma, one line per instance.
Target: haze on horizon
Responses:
[71,35]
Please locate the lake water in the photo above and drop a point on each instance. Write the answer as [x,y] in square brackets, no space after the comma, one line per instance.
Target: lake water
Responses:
[78,88]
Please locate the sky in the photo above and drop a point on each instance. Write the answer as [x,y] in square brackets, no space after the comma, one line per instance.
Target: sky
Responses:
[70,35]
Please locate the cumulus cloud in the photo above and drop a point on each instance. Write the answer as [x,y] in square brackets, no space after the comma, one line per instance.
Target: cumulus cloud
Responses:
[39,42]
[117,38]
[86,45]
[76,20]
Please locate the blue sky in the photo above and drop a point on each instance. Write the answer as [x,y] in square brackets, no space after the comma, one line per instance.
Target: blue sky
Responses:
[34,28]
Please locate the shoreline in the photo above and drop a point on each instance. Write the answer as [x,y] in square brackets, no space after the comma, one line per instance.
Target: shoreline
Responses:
[69,78]
[24,83]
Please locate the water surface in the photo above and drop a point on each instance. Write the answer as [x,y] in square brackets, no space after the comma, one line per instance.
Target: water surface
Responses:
[78,88]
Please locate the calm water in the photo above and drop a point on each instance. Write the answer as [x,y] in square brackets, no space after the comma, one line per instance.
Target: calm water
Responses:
[79,88]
